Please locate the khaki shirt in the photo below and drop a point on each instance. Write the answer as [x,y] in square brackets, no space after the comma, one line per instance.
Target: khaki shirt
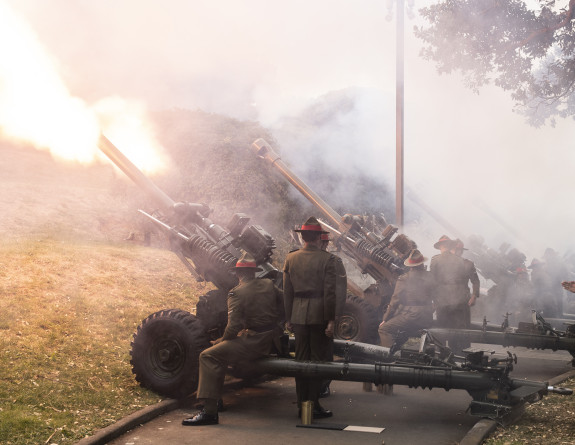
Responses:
[310,286]
[416,288]
[451,276]
[255,304]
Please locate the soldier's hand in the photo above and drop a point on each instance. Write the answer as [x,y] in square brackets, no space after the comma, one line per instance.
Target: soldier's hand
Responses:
[569,285]
[288,326]
[330,328]
[217,341]
[472,300]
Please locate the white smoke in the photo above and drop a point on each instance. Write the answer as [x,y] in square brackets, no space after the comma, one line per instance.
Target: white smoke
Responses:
[266,61]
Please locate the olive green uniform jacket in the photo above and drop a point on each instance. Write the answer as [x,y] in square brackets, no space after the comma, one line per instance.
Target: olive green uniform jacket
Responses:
[255,309]
[310,282]
[310,286]
[411,306]
[452,275]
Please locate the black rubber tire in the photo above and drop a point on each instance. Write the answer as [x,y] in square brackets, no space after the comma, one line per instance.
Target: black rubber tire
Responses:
[359,321]
[165,352]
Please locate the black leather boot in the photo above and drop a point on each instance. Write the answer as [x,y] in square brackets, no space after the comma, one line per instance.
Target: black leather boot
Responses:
[201,418]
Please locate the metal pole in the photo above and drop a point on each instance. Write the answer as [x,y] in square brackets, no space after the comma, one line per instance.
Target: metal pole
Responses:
[399,112]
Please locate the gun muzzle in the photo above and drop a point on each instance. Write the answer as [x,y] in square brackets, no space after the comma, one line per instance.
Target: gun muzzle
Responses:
[124,164]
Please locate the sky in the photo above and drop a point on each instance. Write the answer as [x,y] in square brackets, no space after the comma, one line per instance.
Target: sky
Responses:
[467,155]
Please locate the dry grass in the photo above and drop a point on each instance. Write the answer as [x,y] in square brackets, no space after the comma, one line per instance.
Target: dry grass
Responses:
[67,314]
[549,421]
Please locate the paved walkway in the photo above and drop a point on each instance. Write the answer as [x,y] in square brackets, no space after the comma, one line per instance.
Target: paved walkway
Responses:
[266,413]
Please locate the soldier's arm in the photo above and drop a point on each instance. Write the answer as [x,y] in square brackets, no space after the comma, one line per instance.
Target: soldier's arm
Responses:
[329,289]
[394,302]
[235,317]
[288,293]
[475,284]
[340,287]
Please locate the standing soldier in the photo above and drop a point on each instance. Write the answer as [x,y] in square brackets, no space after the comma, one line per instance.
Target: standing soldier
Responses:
[255,308]
[341,296]
[310,305]
[411,308]
[542,289]
[557,271]
[472,276]
[451,275]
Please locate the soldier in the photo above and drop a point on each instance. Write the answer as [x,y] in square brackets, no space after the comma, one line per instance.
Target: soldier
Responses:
[458,249]
[411,307]
[255,308]
[453,301]
[557,270]
[542,289]
[341,296]
[310,305]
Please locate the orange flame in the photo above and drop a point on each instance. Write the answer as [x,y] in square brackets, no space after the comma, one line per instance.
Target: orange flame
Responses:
[36,106]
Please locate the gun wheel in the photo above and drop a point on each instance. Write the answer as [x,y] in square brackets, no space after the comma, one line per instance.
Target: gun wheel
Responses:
[358,322]
[165,352]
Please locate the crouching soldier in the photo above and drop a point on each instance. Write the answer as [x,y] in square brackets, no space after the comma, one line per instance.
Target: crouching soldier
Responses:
[255,308]
[411,306]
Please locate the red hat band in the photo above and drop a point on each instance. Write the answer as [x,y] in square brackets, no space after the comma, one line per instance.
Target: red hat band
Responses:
[246,264]
[312,228]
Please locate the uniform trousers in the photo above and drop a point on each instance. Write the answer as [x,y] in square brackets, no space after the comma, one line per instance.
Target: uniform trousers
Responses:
[408,321]
[214,361]
[456,316]
[311,344]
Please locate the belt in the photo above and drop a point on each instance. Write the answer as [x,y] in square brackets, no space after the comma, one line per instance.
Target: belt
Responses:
[264,328]
[308,294]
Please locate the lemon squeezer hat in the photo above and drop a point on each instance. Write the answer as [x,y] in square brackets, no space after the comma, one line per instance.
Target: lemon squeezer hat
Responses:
[311,225]
[247,262]
[415,258]
[444,239]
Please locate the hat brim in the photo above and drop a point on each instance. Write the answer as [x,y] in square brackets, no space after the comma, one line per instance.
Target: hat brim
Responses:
[439,243]
[254,269]
[310,231]
[409,264]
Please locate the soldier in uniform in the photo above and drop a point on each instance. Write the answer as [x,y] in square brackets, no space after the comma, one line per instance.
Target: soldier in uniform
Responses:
[542,290]
[471,272]
[310,305]
[557,270]
[255,308]
[341,296]
[452,274]
[411,306]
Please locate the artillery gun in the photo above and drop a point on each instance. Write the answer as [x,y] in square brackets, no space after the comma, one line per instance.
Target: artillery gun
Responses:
[167,344]
[375,253]
[371,243]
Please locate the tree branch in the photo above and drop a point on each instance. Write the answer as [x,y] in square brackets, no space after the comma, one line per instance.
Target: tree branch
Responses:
[568,17]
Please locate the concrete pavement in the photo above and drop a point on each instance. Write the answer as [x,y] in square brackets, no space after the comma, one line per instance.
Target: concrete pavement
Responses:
[267,412]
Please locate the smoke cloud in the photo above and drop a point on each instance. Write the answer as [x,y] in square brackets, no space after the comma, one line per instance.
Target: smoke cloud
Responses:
[467,155]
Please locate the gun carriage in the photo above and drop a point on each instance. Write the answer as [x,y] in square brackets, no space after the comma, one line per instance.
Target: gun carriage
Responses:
[376,253]
[167,344]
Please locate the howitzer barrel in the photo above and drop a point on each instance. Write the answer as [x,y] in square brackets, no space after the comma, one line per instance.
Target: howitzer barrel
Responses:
[124,164]
[381,373]
[531,341]
[266,152]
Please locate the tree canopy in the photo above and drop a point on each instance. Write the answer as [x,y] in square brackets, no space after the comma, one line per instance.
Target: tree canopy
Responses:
[524,47]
